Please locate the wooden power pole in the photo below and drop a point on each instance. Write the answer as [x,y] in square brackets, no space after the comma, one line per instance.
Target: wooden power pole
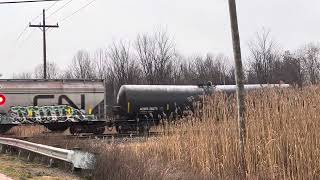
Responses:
[44,27]
[239,81]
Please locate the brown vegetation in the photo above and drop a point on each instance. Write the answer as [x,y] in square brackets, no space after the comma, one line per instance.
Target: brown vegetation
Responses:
[282,142]
[27,131]
[22,170]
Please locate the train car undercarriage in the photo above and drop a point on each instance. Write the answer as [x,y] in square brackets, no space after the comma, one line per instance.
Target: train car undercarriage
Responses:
[54,118]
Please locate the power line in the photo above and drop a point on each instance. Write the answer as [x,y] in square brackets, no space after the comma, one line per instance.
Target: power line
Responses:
[22,32]
[33,19]
[59,9]
[25,28]
[46,10]
[64,19]
[28,37]
[77,11]
[30,1]
[51,6]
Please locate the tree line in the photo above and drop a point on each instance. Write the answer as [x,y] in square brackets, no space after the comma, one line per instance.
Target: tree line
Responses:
[153,59]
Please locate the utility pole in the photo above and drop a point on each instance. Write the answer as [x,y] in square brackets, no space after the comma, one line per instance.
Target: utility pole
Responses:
[240,83]
[44,27]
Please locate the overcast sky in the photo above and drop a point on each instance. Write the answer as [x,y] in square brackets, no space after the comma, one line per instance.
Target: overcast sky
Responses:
[198,27]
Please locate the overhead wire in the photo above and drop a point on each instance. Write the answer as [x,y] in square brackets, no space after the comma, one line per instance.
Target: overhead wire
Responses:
[54,12]
[30,1]
[73,13]
[16,45]
[23,41]
[59,9]
[33,19]
[62,20]
[77,11]
[51,6]
[22,32]
[28,37]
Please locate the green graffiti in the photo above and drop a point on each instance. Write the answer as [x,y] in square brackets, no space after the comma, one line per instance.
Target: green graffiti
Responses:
[47,114]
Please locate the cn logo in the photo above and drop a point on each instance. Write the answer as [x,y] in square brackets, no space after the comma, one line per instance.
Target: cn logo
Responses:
[60,100]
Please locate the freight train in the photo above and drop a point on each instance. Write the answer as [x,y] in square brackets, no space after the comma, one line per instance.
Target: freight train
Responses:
[59,104]
[54,104]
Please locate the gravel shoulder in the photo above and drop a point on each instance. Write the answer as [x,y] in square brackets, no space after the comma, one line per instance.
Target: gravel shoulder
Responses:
[18,169]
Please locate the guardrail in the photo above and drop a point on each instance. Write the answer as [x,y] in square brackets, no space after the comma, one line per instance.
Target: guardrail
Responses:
[79,159]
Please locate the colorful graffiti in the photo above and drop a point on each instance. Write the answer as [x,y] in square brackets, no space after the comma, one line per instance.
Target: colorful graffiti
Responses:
[47,114]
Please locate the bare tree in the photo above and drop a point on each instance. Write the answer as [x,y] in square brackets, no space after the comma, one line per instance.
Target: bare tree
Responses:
[185,71]
[231,76]
[156,54]
[180,71]
[119,68]
[146,53]
[52,71]
[292,71]
[101,63]
[82,67]
[124,69]
[310,55]
[198,70]
[210,68]
[23,75]
[263,58]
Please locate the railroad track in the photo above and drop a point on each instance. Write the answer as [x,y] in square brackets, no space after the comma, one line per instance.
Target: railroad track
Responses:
[117,137]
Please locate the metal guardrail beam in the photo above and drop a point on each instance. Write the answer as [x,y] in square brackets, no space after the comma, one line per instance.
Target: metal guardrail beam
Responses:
[79,159]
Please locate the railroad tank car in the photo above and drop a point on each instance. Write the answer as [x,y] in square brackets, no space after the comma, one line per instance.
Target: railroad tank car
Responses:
[85,95]
[141,106]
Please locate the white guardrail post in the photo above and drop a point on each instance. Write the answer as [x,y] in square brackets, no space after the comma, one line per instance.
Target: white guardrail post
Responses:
[79,159]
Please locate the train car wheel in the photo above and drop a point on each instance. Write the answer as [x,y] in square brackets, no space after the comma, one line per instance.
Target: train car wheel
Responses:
[74,130]
[119,129]
[99,130]
[122,130]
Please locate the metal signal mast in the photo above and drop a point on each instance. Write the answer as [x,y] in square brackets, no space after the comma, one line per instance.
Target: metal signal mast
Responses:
[44,27]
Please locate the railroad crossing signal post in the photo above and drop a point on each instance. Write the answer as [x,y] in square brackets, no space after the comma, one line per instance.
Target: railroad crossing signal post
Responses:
[44,27]
[240,83]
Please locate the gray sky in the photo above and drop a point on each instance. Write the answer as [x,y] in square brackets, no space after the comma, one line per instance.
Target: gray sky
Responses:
[198,27]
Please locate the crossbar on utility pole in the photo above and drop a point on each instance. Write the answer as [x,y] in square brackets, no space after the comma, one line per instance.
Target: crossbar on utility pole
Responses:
[240,83]
[44,27]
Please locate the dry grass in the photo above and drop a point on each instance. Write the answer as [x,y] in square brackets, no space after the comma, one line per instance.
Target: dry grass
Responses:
[27,131]
[22,170]
[282,142]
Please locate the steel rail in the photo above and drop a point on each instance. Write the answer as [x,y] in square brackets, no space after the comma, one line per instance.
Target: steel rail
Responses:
[79,159]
